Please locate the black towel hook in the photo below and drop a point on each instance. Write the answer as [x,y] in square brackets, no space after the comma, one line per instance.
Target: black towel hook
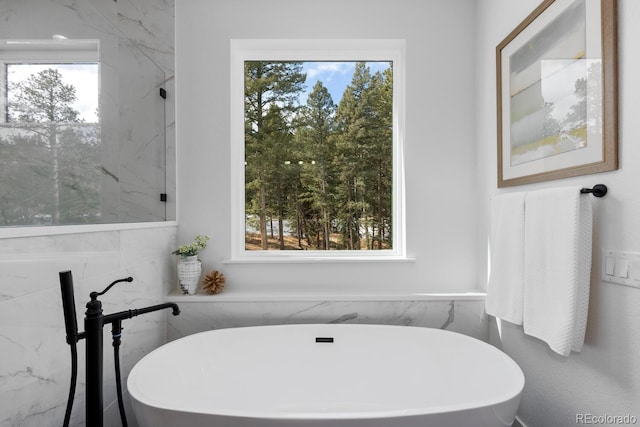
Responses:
[598,190]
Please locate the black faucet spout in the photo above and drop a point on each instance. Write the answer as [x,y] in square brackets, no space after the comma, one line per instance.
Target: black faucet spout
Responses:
[128,314]
[175,310]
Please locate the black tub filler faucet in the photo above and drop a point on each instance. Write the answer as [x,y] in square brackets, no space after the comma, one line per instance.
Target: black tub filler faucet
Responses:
[94,321]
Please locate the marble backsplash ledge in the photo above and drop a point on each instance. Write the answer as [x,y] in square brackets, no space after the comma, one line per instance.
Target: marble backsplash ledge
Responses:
[466,317]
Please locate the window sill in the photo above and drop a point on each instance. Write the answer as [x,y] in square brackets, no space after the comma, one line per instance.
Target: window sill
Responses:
[319,260]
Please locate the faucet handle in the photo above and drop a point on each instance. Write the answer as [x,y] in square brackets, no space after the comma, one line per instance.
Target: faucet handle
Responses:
[94,295]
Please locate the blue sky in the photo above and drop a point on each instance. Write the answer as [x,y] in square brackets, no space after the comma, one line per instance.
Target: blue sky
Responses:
[335,76]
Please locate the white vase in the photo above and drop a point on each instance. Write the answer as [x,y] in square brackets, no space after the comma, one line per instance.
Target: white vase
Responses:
[189,270]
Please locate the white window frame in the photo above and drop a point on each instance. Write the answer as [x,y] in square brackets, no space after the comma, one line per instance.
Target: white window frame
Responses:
[352,50]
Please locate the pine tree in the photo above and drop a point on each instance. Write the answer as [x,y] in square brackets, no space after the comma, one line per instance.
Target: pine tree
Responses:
[365,150]
[318,170]
[381,157]
[58,155]
[268,85]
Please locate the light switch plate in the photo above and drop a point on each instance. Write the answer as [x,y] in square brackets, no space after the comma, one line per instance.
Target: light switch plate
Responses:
[609,265]
[626,267]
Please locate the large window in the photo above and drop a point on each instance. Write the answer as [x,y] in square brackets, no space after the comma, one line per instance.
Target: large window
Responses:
[320,148]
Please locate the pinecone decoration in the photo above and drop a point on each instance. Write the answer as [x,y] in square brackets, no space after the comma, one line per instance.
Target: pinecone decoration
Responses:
[213,282]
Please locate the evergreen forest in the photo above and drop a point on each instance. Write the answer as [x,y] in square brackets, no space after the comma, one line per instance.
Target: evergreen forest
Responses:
[318,176]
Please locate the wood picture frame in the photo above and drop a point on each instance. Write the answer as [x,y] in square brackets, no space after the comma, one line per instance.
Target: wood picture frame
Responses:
[557,93]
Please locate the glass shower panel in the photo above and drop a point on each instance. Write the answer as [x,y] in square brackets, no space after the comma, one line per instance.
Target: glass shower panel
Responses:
[142,151]
[100,156]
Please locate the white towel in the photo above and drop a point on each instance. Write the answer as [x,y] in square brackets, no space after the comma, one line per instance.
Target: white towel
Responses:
[506,279]
[557,267]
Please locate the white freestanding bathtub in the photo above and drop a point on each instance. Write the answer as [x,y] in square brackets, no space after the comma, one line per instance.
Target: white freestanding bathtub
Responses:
[326,376]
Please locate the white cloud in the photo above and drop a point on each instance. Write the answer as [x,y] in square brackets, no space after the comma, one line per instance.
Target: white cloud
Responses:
[328,69]
[334,75]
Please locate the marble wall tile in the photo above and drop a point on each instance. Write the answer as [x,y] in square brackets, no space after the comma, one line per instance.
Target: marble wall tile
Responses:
[150,25]
[35,368]
[33,359]
[465,317]
[147,156]
[63,243]
[147,244]
[29,265]
[142,150]
[40,19]
[25,276]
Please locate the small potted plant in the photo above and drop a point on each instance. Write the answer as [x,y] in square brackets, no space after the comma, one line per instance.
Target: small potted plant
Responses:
[189,266]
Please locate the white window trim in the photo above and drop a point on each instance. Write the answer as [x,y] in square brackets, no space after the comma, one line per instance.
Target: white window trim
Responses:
[315,50]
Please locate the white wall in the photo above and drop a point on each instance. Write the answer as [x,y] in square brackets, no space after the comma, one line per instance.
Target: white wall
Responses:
[605,377]
[439,155]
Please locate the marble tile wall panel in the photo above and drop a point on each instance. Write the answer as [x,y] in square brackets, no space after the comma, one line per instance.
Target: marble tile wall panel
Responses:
[467,317]
[141,136]
[35,368]
[40,19]
[150,25]
[147,155]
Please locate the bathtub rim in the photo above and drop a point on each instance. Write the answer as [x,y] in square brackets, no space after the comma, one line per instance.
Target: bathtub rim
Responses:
[504,399]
